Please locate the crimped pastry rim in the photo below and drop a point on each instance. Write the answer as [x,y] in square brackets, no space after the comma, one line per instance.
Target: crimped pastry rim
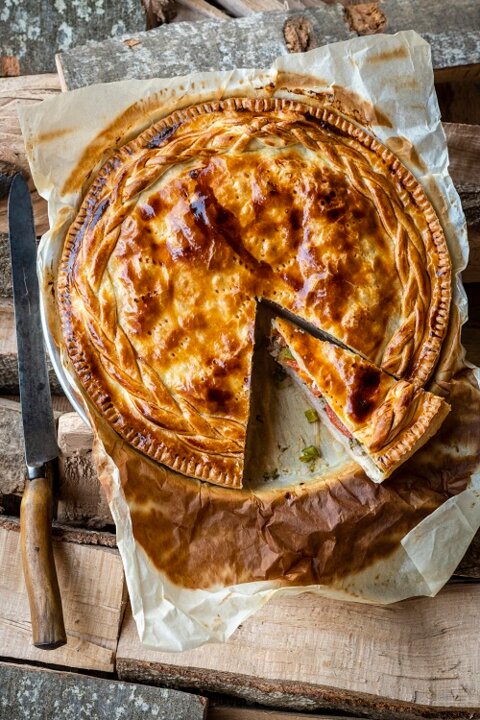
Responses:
[434,411]
[157,450]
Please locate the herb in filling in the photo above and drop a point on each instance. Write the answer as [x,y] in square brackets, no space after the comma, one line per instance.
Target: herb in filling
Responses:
[311,415]
[309,456]
[285,354]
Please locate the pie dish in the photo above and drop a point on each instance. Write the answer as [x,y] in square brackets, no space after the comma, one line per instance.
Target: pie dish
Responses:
[219,206]
[381,421]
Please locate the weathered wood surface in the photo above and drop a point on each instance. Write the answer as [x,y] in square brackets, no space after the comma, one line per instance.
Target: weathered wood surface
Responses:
[256,40]
[460,101]
[81,501]
[471,331]
[8,354]
[36,694]
[464,154]
[242,713]
[418,658]
[13,92]
[12,453]
[180,48]
[66,533]
[33,32]
[202,8]
[92,588]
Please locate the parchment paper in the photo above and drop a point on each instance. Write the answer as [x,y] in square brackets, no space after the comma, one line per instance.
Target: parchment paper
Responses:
[385,83]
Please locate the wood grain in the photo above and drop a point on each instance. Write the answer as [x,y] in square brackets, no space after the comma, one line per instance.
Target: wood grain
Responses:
[203,9]
[418,658]
[241,713]
[92,589]
[81,501]
[65,533]
[180,48]
[464,152]
[8,354]
[452,29]
[241,8]
[14,92]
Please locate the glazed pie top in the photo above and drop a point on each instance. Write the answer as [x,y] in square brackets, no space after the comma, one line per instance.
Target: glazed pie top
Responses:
[215,207]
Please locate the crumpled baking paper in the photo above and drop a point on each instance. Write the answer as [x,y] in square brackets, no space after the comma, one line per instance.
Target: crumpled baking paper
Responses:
[384,83]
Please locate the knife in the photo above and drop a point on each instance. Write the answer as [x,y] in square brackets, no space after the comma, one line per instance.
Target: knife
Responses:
[41,449]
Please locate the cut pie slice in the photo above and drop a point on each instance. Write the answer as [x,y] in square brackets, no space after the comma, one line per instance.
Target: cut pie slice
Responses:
[380,420]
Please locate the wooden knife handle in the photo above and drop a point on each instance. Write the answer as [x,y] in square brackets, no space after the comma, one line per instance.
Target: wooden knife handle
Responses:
[39,570]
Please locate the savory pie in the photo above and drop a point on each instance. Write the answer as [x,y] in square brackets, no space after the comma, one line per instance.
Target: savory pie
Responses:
[381,421]
[220,205]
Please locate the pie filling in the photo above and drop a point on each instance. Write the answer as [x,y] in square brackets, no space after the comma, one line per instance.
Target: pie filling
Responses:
[381,421]
[216,206]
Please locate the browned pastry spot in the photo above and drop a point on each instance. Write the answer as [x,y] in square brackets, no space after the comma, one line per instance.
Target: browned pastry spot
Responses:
[215,206]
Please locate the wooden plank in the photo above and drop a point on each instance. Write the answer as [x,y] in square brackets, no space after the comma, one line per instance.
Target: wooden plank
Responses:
[471,331]
[464,152]
[12,452]
[182,14]
[459,101]
[242,8]
[241,713]
[180,48]
[81,501]
[65,533]
[255,41]
[204,9]
[92,588]
[308,652]
[14,92]
[33,36]
[8,354]
[35,693]
[472,272]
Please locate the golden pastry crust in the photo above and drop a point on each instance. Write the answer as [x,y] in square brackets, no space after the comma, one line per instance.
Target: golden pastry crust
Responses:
[388,419]
[213,207]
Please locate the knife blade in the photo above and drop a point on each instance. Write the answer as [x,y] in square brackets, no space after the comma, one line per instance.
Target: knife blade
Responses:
[38,426]
[35,399]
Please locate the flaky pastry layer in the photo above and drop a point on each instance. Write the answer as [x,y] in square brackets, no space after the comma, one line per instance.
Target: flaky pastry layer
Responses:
[381,420]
